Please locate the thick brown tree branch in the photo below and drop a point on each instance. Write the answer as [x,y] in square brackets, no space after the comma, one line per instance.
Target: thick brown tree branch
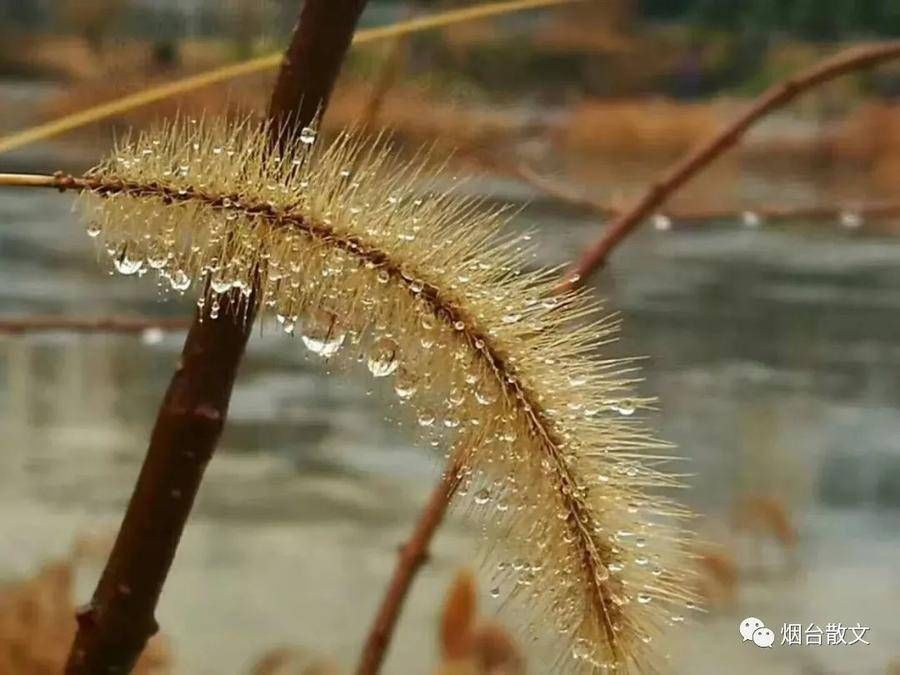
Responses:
[688,167]
[114,628]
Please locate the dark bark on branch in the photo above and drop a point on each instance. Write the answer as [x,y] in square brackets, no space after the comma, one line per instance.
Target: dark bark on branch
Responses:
[115,627]
[312,62]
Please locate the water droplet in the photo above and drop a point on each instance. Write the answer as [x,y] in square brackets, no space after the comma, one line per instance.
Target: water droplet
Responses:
[662,222]
[382,359]
[152,336]
[485,396]
[405,384]
[93,230]
[307,135]
[126,265]
[581,650]
[751,219]
[157,261]
[426,417]
[322,334]
[851,220]
[483,496]
[179,280]
[383,276]
[623,407]
[220,285]
[495,592]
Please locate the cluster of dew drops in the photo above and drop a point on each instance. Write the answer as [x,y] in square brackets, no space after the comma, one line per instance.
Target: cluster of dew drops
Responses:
[179,280]
[322,334]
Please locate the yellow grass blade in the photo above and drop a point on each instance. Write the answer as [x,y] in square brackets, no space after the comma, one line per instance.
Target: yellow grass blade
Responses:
[152,94]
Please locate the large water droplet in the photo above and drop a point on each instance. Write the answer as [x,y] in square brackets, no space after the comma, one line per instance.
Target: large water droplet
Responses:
[93,229]
[383,359]
[179,280]
[322,334]
[126,265]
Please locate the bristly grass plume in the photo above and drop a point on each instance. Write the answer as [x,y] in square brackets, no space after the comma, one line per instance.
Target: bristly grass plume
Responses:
[370,258]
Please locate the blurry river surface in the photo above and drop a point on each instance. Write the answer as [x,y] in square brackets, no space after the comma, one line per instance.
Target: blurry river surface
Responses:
[774,351]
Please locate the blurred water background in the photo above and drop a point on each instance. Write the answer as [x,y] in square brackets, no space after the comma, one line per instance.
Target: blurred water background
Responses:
[773,350]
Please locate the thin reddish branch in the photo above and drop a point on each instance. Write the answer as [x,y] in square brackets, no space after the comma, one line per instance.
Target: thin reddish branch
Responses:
[412,556]
[114,628]
[681,172]
[415,551]
[102,324]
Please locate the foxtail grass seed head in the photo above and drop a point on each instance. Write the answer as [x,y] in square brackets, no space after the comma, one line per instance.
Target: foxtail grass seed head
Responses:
[368,259]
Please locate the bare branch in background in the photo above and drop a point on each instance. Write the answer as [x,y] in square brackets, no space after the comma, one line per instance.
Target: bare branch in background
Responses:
[851,211]
[682,171]
[413,555]
[102,324]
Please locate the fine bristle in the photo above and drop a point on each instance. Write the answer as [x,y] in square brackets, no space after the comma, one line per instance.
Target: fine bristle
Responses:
[369,258]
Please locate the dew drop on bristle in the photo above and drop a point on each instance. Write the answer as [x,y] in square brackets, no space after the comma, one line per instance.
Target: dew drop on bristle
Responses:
[126,265]
[426,417]
[219,285]
[404,385]
[322,334]
[383,357]
[307,135]
[179,281]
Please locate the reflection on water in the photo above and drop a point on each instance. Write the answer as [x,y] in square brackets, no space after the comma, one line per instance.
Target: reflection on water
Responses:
[774,353]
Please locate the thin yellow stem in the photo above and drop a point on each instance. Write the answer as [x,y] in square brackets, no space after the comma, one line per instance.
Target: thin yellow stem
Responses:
[28,180]
[255,65]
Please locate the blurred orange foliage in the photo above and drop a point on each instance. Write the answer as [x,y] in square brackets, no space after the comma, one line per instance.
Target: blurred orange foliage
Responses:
[470,646]
[655,126]
[37,622]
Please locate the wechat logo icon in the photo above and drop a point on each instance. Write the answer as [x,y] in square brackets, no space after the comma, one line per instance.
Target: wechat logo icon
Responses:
[752,629]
